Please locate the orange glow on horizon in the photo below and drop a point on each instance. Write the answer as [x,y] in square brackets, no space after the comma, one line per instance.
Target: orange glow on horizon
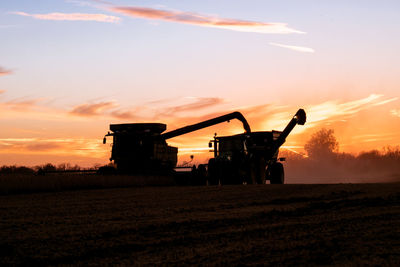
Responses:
[357,126]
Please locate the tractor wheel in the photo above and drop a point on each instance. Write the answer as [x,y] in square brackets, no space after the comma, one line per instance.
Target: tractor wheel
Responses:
[106,170]
[201,175]
[193,176]
[277,174]
[212,172]
[226,174]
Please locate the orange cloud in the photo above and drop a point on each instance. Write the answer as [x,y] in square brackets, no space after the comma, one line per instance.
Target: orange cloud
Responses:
[199,103]
[107,109]
[328,111]
[155,110]
[21,104]
[122,115]
[332,109]
[4,72]
[17,108]
[203,20]
[384,102]
[71,17]
[374,137]
[67,146]
[95,109]
[30,109]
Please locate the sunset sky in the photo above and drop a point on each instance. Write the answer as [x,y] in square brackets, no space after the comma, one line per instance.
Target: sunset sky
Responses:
[69,68]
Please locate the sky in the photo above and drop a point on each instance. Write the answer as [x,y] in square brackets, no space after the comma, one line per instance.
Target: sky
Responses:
[69,68]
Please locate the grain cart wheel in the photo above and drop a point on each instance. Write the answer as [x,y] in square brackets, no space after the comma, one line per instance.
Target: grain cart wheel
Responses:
[251,173]
[251,177]
[261,171]
[277,174]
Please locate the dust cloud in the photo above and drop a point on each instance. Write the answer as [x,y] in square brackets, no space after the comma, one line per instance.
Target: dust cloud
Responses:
[324,164]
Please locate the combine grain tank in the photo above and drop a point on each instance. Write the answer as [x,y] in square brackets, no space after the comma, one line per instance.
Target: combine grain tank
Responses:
[139,147]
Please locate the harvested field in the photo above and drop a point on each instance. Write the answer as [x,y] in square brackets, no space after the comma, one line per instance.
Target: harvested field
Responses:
[342,224]
[19,184]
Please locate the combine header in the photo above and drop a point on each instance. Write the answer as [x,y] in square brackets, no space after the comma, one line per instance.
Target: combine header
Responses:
[250,157]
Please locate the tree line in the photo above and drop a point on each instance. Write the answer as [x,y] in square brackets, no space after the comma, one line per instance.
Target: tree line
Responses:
[324,163]
[14,169]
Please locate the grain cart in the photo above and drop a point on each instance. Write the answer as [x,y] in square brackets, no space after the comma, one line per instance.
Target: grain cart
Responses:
[142,147]
[250,157]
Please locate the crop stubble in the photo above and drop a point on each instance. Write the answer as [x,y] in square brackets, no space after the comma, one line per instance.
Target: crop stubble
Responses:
[273,224]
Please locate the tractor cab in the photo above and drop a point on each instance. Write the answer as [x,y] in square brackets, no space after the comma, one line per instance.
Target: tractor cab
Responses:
[229,146]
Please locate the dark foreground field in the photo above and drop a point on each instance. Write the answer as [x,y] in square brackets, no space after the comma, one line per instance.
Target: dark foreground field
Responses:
[351,224]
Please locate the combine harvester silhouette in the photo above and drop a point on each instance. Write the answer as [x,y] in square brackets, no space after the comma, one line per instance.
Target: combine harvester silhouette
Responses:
[249,157]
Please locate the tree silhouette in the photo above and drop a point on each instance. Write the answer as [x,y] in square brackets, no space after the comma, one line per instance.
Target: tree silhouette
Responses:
[322,144]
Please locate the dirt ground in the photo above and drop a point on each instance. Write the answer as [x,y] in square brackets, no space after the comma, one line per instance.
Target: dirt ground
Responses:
[343,224]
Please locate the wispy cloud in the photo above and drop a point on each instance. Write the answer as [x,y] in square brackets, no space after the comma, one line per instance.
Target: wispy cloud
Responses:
[109,109]
[38,107]
[395,112]
[383,102]
[30,108]
[330,109]
[93,109]
[203,20]
[71,16]
[327,111]
[295,48]
[126,114]
[374,137]
[65,146]
[4,72]
[199,103]
[21,104]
